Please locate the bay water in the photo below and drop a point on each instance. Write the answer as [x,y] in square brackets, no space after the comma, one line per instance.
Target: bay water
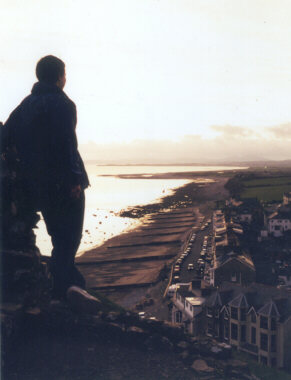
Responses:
[109,194]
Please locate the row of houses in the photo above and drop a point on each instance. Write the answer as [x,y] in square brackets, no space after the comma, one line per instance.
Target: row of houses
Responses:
[276,221]
[230,262]
[232,308]
[255,319]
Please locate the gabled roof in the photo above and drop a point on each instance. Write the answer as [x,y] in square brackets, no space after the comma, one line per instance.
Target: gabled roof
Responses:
[214,300]
[219,298]
[269,310]
[252,309]
[224,309]
[243,259]
[239,301]
[264,299]
[284,215]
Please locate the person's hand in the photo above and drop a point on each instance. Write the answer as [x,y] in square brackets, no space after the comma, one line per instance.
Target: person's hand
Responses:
[76,192]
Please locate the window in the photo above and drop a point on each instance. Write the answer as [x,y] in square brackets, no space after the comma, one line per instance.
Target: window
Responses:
[210,329]
[264,342]
[234,313]
[273,362]
[226,330]
[263,322]
[264,360]
[233,277]
[253,317]
[209,312]
[273,343]
[273,324]
[243,333]
[234,331]
[178,317]
[243,315]
[254,335]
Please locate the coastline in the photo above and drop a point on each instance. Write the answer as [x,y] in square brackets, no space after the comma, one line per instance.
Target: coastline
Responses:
[126,265]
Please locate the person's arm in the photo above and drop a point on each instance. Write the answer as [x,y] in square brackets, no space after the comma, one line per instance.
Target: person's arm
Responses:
[64,120]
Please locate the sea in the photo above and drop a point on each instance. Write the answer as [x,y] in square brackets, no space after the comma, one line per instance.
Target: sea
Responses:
[109,194]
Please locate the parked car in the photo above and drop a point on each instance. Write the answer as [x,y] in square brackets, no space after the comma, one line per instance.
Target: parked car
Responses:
[176,279]
[190,266]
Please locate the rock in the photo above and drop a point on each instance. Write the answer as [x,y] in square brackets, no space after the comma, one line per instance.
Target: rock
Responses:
[33,310]
[9,307]
[184,355]
[82,302]
[183,344]
[135,329]
[236,363]
[112,316]
[200,365]
[157,342]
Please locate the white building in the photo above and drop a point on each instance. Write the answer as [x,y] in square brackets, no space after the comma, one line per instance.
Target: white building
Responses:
[187,309]
[279,222]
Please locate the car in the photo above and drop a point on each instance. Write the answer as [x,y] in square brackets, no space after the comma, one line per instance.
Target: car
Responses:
[190,266]
[176,279]
[141,315]
[179,261]
[153,319]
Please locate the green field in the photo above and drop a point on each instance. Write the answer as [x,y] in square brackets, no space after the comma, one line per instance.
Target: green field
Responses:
[273,181]
[267,189]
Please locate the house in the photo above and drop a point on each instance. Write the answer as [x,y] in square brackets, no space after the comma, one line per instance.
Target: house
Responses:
[230,262]
[233,266]
[187,310]
[254,319]
[279,222]
[287,198]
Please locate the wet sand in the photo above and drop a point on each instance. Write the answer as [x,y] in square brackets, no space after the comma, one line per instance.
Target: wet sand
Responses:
[137,258]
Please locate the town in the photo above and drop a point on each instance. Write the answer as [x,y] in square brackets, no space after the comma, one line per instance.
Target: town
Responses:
[232,282]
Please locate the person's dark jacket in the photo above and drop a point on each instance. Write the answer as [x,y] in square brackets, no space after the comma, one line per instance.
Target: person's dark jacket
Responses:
[42,128]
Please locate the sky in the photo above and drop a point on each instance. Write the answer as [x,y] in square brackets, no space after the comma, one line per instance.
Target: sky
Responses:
[160,80]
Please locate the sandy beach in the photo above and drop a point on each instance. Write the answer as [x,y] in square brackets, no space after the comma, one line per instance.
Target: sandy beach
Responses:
[138,259]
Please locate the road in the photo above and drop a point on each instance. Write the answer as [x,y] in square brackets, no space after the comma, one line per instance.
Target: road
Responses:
[189,275]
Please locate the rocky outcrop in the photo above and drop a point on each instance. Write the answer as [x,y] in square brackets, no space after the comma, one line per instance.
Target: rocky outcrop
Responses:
[23,272]
[52,341]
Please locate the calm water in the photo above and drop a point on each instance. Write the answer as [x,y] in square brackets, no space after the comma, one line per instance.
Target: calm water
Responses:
[108,195]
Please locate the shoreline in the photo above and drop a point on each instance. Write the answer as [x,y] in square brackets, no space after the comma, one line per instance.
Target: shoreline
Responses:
[185,196]
[127,265]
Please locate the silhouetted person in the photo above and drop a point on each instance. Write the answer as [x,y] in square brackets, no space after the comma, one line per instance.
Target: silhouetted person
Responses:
[42,128]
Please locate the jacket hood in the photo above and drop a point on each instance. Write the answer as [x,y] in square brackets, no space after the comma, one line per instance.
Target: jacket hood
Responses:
[44,88]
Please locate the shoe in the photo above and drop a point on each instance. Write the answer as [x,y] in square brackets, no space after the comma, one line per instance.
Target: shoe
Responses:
[82,302]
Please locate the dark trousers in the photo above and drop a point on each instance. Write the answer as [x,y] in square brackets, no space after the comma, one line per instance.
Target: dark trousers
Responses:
[63,217]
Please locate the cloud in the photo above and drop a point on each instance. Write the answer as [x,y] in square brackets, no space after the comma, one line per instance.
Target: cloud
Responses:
[232,131]
[282,131]
[190,149]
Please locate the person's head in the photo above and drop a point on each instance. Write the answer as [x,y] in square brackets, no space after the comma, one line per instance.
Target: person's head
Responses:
[51,70]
